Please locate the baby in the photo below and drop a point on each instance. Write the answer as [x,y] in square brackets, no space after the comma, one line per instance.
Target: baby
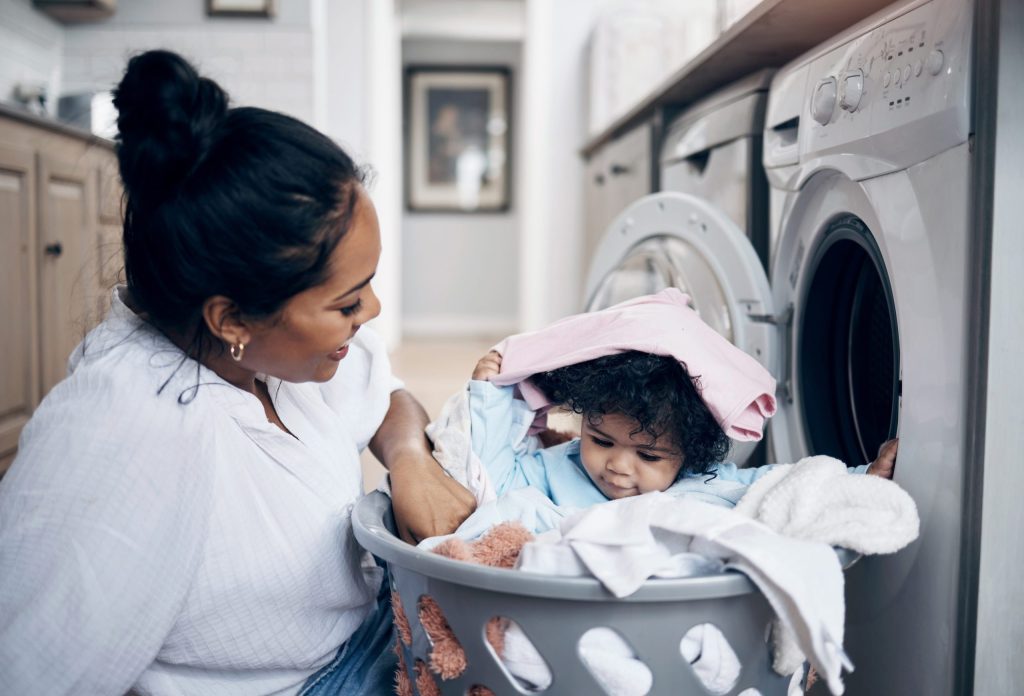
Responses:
[644,428]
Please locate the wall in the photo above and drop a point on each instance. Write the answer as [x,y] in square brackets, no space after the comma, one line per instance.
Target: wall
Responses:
[550,177]
[30,49]
[460,272]
[261,62]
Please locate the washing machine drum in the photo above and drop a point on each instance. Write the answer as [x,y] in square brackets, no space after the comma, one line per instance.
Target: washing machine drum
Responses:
[679,240]
[848,357]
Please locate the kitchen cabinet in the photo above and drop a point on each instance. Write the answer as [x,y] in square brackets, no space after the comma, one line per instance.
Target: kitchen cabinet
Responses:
[59,256]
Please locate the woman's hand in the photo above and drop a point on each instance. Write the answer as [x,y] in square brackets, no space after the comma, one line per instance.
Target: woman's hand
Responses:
[426,501]
[488,366]
[885,462]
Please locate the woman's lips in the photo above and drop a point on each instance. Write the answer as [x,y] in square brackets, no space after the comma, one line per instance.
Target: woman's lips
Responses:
[340,353]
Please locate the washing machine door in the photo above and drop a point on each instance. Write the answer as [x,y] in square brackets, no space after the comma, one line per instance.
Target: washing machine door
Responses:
[678,240]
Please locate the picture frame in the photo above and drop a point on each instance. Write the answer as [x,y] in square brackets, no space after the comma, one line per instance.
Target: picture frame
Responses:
[240,8]
[458,138]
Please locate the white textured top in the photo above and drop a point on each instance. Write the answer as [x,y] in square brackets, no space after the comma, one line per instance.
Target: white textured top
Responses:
[183,548]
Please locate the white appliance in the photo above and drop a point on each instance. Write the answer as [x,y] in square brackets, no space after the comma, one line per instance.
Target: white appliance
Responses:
[867,154]
[864,319]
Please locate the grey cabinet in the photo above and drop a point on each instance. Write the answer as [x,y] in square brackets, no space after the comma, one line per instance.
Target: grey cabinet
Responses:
[616,175]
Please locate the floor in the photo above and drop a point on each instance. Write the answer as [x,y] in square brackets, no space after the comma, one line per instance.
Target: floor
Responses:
[432,369]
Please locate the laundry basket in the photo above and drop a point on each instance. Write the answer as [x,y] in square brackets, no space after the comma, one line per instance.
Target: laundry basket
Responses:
[555,612]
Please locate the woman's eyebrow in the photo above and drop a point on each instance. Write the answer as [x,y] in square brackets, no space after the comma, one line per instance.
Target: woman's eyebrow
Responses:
[359,286]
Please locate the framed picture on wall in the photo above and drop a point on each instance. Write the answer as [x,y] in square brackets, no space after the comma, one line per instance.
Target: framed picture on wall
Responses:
[458,137]
[240,8]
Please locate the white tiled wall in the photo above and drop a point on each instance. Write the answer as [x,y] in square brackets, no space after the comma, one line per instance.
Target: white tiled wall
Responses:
[259,63]
[30,49]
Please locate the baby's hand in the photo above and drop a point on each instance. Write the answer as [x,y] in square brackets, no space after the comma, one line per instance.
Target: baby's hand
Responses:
[488,367]
[885,462]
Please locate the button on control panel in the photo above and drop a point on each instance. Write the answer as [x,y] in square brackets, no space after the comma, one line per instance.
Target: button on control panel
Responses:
[853,90]
[824,102]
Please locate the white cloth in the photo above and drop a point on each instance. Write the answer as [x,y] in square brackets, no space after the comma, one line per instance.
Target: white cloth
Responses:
[183,549]
[818,500]
[624,542]
[453,447]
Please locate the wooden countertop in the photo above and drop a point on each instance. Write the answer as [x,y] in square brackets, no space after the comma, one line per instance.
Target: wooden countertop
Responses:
[18,113]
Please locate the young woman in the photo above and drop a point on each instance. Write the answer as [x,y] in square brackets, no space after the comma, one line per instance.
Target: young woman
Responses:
[177,520]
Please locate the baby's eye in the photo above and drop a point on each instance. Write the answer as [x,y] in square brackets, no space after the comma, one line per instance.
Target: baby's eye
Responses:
[649,457]
[352,309]
[599,442]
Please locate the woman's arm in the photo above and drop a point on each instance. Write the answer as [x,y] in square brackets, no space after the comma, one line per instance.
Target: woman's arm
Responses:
[426,501]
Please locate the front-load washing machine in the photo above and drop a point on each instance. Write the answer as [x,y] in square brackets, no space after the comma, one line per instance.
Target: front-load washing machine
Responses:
[867,154]
[864,320]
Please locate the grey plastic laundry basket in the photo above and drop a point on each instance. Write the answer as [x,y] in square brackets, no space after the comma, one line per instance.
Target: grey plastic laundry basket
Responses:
[555,612]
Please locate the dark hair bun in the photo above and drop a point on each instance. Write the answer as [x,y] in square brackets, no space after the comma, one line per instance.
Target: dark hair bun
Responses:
[167,119]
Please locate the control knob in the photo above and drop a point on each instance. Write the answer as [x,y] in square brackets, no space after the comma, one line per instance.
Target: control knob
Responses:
[824,101]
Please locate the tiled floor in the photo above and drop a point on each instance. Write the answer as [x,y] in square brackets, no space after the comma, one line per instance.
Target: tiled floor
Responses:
[432,369]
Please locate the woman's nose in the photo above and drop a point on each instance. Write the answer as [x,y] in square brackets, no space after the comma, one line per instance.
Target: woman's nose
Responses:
[371,307]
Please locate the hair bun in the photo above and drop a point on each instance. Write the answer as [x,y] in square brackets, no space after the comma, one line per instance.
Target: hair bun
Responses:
[167,118]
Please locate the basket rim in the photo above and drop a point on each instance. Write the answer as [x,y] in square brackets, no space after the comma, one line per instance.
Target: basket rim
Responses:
[372,524]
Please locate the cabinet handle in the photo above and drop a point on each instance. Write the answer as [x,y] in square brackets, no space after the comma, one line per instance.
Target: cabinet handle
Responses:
[619,169]
[55,249]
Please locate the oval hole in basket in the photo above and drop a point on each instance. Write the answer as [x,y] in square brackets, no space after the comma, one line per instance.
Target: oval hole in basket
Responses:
[711,657]
[607,656]
[519,658]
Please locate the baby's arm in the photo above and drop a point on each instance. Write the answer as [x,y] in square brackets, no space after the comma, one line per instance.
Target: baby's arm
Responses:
[885,462]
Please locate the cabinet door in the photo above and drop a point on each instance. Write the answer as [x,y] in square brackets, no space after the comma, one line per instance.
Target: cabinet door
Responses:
[19,388]
[68,276]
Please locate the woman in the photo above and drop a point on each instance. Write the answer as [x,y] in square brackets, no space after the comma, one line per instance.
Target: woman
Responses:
[177,520]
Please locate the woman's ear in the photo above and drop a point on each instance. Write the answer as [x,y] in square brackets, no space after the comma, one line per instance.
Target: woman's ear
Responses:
[224,320]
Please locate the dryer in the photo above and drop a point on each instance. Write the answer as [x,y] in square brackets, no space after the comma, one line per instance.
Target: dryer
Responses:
[711,154]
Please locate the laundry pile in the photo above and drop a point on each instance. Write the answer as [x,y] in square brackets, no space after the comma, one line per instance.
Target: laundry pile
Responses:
[780,535]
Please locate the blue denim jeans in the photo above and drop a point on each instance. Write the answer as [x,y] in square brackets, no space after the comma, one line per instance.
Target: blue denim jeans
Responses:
[366,663]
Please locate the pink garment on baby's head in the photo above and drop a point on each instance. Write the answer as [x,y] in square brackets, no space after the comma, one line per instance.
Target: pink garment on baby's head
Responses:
[738,391]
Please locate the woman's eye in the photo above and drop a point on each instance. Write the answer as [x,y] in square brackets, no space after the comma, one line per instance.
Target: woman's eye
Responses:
[599,442]
[352,309]
[649,457]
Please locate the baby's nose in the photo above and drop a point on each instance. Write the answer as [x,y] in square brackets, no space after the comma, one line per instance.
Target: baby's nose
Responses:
[620,464]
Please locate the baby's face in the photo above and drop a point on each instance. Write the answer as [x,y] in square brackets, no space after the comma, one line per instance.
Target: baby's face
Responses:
[622,464]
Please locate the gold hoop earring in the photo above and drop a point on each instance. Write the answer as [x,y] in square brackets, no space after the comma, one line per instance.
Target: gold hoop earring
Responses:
[237,357]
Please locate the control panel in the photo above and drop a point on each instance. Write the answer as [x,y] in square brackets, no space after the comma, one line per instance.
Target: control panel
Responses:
[897,92]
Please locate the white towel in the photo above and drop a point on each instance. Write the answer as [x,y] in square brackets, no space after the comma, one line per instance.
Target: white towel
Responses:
[817,499]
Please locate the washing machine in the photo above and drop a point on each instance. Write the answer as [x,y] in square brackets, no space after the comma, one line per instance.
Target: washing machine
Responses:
[862,316]
[868,157]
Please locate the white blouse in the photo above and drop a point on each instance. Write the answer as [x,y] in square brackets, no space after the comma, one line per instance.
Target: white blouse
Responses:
[188,548]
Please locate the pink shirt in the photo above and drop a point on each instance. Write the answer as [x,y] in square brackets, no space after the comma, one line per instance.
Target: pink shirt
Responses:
[737,389]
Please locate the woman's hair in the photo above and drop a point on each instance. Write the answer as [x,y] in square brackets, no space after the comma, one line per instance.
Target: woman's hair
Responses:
[654,390]
[241,202]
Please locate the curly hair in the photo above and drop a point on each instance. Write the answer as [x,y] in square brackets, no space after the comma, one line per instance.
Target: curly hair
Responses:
[654,390]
